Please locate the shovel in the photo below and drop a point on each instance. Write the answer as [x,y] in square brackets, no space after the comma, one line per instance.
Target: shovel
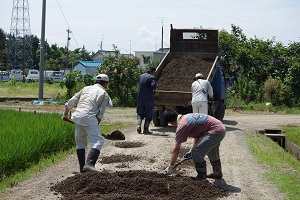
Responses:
[181,161]
[68,120]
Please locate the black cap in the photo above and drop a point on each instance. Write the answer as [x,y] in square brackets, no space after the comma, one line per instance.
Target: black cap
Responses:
[151,69]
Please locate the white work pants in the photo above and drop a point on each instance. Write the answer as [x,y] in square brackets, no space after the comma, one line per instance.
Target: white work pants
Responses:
[92,132]
[200,107]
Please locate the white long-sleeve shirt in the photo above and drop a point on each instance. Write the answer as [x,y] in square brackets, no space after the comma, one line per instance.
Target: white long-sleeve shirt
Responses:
[198,88]
[91,103]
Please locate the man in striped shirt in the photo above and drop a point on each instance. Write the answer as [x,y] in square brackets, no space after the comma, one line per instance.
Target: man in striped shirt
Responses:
[207,131]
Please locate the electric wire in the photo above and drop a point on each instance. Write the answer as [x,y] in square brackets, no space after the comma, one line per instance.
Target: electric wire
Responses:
[67,23]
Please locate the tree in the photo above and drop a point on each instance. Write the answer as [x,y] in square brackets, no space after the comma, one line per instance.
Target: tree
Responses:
[123,73]
[3,52]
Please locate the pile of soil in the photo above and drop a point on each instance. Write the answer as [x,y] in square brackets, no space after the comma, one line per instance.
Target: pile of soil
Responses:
[129,144]
[179,74]
[115,135]
[118,158]
[135,185]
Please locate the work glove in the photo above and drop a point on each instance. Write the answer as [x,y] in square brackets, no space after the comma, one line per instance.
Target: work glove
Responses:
[188,154]
[169,170]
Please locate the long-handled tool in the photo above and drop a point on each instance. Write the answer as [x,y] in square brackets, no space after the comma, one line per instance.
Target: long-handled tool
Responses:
[181,161]
[68,120]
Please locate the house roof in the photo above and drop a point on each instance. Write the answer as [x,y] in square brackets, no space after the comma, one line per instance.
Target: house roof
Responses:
[90,63]
[102,53]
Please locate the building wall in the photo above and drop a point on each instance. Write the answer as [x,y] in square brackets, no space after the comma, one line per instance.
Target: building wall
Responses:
[147,56]
[79,67]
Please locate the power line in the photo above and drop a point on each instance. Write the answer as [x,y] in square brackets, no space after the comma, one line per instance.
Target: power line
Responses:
[67,22]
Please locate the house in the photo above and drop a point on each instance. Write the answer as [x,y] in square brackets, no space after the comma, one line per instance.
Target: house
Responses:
[87,67]
[101,54]
[147,57]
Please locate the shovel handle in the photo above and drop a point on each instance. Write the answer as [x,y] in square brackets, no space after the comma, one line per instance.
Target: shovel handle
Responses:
[179,162]
[68,120]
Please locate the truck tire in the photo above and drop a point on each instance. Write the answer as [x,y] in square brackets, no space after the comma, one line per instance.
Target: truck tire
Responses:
[220,110]
[155,118]
[161,118]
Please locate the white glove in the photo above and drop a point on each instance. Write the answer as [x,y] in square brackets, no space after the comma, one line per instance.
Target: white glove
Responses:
[169,170]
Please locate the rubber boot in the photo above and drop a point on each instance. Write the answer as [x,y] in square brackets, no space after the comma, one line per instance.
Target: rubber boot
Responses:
[217,170]
[146,128]
[91,160]
[81,158]
[201,170]
[138,126]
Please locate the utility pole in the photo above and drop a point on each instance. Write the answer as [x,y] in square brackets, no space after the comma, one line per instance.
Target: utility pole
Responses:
[42,54]
[130,49]
[68,42]
[101,47]
[162,33]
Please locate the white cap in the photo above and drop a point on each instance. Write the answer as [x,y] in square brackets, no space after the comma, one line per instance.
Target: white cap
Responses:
[102,77]
[198,75]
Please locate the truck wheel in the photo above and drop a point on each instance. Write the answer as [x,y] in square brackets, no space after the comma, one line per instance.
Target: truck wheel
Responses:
[155,118]
[220,110]
[161,118]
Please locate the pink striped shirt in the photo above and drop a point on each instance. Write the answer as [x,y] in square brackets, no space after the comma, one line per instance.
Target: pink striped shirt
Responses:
[195,125]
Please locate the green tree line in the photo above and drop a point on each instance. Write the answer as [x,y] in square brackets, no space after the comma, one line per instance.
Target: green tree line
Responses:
[55,56]
[259,70]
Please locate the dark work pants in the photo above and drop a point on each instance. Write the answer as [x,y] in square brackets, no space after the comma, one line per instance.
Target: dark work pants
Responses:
[144,110]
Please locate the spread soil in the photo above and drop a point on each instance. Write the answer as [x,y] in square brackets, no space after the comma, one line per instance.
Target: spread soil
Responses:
[135,184]
[179,74]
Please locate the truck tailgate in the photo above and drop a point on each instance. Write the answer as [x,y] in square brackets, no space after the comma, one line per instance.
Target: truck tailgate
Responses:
[172,98]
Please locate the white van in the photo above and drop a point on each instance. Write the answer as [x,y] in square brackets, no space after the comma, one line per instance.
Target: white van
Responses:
[16,74]
[4,76]
[33,75]
[53,76]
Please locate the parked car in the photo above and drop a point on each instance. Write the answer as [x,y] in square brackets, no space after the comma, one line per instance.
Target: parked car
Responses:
[4,76]
[16,74]
[33,75]
[53,76]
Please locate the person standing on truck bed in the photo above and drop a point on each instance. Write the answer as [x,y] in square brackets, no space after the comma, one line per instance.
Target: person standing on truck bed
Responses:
[201,88]
[145,100]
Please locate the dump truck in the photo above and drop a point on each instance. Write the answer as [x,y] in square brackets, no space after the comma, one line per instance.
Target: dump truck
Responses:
[191,51]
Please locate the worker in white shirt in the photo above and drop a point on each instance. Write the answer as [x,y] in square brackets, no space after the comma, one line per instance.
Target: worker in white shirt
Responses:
[201,89]
[90,103]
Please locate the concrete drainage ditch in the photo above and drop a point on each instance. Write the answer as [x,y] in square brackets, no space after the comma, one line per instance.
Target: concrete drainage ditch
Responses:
[279,137]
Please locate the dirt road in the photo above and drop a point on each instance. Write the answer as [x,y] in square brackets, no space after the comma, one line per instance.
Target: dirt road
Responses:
[243,176]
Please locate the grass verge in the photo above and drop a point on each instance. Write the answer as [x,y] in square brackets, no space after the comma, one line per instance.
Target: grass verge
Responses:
[283,168]
[293,133]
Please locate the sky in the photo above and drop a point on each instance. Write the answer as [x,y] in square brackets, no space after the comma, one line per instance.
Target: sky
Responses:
[143,25]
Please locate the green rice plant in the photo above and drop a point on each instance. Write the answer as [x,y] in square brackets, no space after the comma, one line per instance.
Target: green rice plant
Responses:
[26,137]
[282,168]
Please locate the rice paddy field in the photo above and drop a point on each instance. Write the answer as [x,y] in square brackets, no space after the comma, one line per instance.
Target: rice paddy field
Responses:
[27,137]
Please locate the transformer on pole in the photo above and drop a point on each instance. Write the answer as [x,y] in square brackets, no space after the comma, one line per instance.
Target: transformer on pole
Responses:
[20,38]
